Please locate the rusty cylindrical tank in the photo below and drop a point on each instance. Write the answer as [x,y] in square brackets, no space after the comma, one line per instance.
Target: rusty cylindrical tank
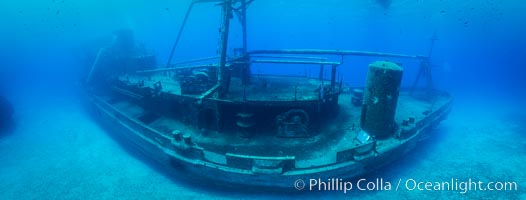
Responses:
[380,97]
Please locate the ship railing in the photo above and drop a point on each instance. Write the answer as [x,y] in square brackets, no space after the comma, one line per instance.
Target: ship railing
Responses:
[332,52]
[424,69]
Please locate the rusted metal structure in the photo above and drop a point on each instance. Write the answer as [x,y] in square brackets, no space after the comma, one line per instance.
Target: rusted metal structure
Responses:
[214,119]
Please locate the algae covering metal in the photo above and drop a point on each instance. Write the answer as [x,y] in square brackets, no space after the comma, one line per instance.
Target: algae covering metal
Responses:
[218,121]
[380,98]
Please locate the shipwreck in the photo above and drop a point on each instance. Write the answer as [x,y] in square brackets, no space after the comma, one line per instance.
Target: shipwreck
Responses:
[216,119]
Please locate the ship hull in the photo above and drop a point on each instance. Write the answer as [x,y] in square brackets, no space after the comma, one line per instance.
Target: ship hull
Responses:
[193,166]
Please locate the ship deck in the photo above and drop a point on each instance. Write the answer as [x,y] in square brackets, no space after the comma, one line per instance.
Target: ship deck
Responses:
[323,148]
[262,88]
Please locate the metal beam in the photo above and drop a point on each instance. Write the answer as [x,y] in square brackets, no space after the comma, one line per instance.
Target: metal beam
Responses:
[195,60]
[293,57]
[177,68]
[95,63]
[296,62]
[168,63]
[335,52]
[208,93]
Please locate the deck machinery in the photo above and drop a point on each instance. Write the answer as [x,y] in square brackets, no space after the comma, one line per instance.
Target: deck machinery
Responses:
[215,119]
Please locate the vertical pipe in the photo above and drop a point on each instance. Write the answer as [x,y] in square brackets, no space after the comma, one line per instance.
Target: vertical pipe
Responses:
[225,25]
[333,76]
[243,19]
[321,72]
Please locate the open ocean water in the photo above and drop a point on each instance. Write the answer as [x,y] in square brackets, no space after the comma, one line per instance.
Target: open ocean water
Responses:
[55,150]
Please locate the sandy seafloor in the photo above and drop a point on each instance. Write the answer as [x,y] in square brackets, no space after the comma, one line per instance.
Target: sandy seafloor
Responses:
[58,152]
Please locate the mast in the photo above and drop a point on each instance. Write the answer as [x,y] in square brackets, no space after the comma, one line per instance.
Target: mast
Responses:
[223,74]
[241,12]
[243,22]
[425,68]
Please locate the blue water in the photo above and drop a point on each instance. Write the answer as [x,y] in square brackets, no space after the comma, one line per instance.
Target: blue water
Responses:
[56,151]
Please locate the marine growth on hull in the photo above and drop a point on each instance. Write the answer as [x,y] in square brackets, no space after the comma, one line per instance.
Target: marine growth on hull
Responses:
[221,118]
